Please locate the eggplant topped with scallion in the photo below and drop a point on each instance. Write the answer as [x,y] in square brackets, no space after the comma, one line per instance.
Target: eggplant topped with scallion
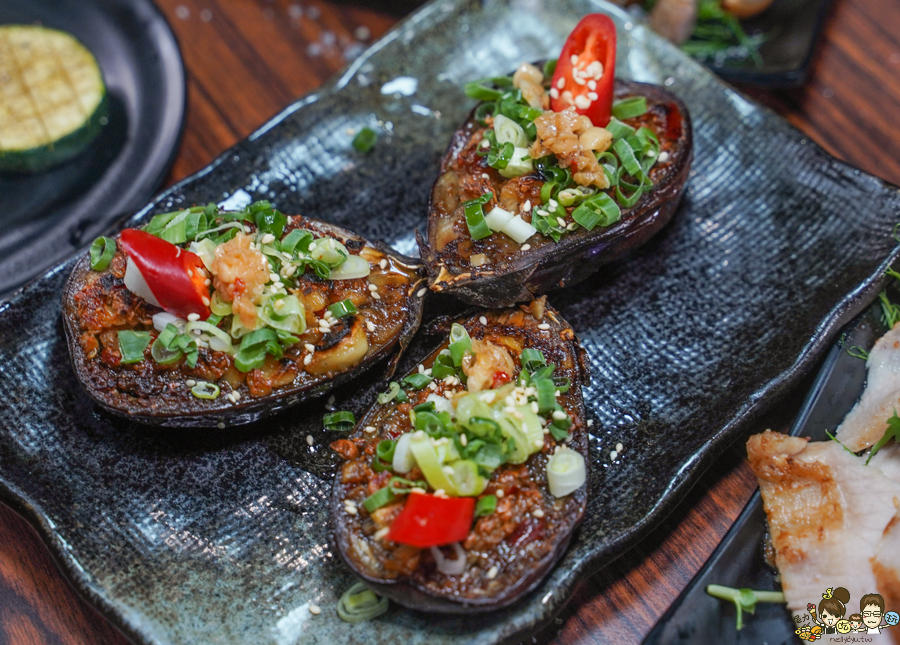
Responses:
[207,317]
[559,170]
[461,488]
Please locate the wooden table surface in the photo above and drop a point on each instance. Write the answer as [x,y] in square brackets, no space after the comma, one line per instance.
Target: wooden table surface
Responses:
[247,59]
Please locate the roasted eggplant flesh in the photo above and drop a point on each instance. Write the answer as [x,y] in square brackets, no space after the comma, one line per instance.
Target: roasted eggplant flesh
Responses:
[508,550]
[381,312]
[499,269]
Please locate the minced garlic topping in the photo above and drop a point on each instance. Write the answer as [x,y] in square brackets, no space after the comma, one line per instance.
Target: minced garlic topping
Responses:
[573,139]
[241,273]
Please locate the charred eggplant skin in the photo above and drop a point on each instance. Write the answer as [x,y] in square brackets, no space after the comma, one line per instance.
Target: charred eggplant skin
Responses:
[152,399]
[578,255]
[427,590]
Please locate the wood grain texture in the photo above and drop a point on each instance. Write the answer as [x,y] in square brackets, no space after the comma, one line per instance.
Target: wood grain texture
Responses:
[247,59]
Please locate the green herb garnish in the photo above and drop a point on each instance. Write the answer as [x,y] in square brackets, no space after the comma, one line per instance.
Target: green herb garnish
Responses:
[744,599]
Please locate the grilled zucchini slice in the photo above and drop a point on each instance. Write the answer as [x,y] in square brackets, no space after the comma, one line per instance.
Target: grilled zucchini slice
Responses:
[53,100]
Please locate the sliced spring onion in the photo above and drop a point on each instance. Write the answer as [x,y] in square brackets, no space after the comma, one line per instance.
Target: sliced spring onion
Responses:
[353,267]
[341,421]
[219,340]
[330,251]
[558,433]
[205,390]
[381,497]
[466,478]
[297,240]
[440,403]
[429,462]
[342,308]
[443,366]
[519,230]
[629,108]
[417,381]
[460,343]
[403,460]
[480,92]
[205,249]
[474,212]
[359,603]
[618,129]
[599,210]
[219,306]
[497,218]
[550,68]
[546,394]
[102,251]
[268,220]
[365,139]
[508,131]
[163,319]
[132,345]
[286,313]
[499,155]
[446,566]
[254,347]
[486,505]
[385,450]
[566,472]
[395,392]
[519,163]
[532,359]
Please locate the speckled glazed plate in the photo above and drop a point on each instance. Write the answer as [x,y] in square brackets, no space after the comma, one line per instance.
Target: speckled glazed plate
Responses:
[222,535]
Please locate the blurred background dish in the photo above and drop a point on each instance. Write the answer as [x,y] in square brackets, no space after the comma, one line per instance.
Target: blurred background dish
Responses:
[47,215]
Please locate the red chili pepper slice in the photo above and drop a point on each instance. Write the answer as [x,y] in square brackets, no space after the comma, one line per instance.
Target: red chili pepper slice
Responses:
[500,378]
[427,520]
[175,276]
[593,45]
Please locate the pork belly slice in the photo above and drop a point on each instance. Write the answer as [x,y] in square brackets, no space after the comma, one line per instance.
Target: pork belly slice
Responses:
[827,514]
[866,423]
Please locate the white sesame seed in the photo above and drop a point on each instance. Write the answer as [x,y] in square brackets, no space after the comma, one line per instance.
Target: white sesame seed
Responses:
[590,422]
[351,510]
[349,502]
[526,247]
[592,95]
[273,277]
[268,238]
[554,93]
[566,97]
[205,301]
[534,407]
[613,454]
[382,264]
[482,320]
[310,347]
[464,440]
[370,325]
[307,359]
[376,295]
[421,292]
[485,144]
[560,221]
[220,425]
[544,326]
[572,226]
[580,80]
[546,598]
[538,443]
[573,59]
[237,396]
[499,493]
[309,439]
[538,513]
[416,489]
[663,157]
[527,205]
[552,204]
[619,447]
[440,492]
[432,386]
[314,609]
[193,317]
[592,85]
[190,382]
[561,83]
[311,246]
[492,572]
[559,415]
[381,533]
[582,102]
[421,368]
[371,429]
[484,175]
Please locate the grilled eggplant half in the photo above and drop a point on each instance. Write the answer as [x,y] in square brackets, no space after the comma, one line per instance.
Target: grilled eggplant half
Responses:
[461,488]
[271,311]
[557,216]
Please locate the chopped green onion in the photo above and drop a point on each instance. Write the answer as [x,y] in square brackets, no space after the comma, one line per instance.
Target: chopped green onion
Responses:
[255,346]
[486,505]
[365,139]
[627,157]
[480,92]
[359,603]
[102,251]
[619,130]
[340,421]
[268,220]
[132,345]
[558,434]
[298,239]
[500,155]
[342,308]
[381,497]
[893,432]
[443,366]
[566,472]
[546,394]
[394,393]
[629,108]
[532,359]
[385,450]
[417,381]
[599,210]
[460,343]
[474,211]
[550,68]
[205,390]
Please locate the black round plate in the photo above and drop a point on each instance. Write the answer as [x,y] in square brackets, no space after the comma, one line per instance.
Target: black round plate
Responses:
[48,215]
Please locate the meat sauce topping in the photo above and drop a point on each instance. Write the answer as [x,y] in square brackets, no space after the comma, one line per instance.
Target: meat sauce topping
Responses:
[274,301]
[534,176]
[446,482]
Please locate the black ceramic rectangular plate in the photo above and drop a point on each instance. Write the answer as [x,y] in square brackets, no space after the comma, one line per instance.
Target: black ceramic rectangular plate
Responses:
[791,29]
[739,561]
[222,535]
